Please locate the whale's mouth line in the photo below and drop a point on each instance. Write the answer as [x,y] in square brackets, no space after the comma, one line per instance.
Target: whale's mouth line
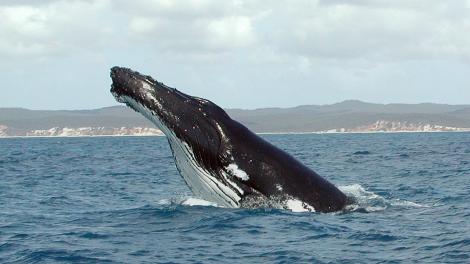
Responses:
[116,95]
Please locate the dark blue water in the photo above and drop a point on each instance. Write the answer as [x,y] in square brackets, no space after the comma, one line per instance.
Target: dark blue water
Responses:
[121,200]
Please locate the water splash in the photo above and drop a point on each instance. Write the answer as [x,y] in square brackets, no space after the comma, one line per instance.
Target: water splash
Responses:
[198,202]
[185,201]
[362,201]
[368,201]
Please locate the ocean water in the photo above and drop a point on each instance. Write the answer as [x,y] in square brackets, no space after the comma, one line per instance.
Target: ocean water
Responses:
[121,200]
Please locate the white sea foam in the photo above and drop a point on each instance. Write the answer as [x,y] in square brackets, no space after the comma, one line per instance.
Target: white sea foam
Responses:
[186,201]
[198,202]
[164,202]
[398,202]
[364,200]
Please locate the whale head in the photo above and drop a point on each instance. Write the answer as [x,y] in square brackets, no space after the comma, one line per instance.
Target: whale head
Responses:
[188,118]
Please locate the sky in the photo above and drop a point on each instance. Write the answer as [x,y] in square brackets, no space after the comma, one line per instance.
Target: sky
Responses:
[238,54]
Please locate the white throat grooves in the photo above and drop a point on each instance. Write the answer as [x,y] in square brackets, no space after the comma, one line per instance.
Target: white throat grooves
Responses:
[200,181]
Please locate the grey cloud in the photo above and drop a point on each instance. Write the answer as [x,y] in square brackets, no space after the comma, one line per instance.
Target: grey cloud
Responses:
[35,2]
[59,27]
[25,2]
[189,26]
[350,31]
[335,29]
[177,9]
[316,51]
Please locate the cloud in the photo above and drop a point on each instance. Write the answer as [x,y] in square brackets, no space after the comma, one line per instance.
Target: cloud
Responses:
[197,36]
[25,2]
[374,30]
[378,31]
[57,27]
[306,51]
[186,10]
[189,26]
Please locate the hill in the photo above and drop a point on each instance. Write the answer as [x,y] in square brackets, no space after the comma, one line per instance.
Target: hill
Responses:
[347,116]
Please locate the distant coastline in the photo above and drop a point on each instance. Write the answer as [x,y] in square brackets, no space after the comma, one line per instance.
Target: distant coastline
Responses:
[160,134]
[350,116]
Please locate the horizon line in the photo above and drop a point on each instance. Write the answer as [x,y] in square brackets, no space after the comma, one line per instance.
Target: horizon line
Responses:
[258,108]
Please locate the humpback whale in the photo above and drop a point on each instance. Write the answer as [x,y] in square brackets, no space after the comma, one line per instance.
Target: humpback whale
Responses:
[221,160]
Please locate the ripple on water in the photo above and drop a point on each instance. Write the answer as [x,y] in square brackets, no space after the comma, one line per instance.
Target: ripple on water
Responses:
[362,152]
[121,200]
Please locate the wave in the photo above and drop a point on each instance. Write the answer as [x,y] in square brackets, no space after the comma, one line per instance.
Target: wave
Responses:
[367,201]
[186,201]
[362,201]
[191,201]
[362,152]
